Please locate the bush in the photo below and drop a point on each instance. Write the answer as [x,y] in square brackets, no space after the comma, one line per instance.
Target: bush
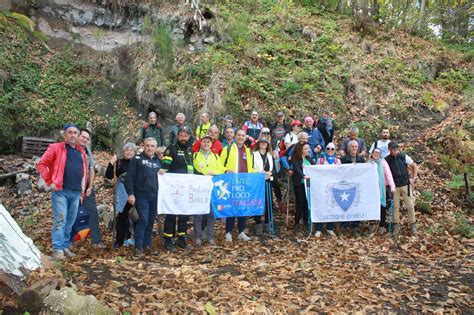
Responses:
[454,79]
[424,201]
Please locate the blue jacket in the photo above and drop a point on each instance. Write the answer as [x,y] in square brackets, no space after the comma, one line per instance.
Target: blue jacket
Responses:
[315,138]
[142,176]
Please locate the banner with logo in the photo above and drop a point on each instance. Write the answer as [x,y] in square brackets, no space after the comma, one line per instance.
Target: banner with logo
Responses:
[184,194]
[238,195]
[348,192]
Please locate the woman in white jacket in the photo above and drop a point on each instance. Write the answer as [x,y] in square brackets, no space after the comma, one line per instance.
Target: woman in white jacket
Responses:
[263,162]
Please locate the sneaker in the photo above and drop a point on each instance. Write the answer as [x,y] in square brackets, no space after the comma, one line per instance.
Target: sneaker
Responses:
[228,237]
[99,246]
[356,233]
[68,253]
[212,242]
[317,234]
[413,229]
[396,230]
[382,230]
[331,233]
[243,237]
[198,242]
[58,255]
[181,243]
[151,252]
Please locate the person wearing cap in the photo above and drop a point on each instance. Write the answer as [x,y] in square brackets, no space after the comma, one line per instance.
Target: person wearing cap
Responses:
[64,169]
[329,158]
[279,129]
[152,129]
[400,164]
[213,133]
[204,125]
[227,122]
[229,137]
[354,136]
[173,131]
[325,125]
[253,127]
[177,158]
[237,158]
[206,163]
[315,139]
[264,134]
[292,136]
[263,162]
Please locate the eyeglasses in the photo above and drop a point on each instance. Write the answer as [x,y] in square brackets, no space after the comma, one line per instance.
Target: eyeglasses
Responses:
[265,133]
[330,149]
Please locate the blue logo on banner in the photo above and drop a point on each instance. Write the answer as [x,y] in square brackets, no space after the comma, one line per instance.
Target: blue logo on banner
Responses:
[238,195]
[344,197]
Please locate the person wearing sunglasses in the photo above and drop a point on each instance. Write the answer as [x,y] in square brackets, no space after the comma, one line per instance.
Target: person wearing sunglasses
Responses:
[329,158]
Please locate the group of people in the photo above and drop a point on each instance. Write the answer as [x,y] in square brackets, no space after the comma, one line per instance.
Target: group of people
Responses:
[280,150]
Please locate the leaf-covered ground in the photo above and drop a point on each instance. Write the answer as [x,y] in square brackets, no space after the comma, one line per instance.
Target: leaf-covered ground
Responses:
[428,273]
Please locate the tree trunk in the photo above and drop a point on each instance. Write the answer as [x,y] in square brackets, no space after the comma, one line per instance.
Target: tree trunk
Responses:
[421,19]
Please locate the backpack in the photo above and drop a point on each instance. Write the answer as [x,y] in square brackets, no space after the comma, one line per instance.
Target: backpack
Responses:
[146,125]
[81,229]
[281,145]
[228,153]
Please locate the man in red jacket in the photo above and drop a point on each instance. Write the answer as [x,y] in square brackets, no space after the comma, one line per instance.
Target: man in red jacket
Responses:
[216,147]
[64,169]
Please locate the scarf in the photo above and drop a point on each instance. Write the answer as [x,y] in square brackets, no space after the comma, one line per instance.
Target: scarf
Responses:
[380,171]
[331,159]
[328,123]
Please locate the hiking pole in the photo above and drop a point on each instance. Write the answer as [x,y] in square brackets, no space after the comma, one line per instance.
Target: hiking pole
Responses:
[390,215]
[270,210]
[308,199]
[287,200]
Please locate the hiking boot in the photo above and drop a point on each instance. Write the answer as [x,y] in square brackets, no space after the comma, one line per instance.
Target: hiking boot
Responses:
[258,229]
[228,237]
[317,234]
[331,233]
[382,230]
[396,230]
[169,245]
[151,252]
[243,237]
[58,255]
[139,253]
[198,242]
[181,243]
[68,253]
[413,229]
[356,232]
[212,242]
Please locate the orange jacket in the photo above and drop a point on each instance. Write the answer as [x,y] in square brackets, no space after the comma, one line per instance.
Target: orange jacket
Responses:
[52,163]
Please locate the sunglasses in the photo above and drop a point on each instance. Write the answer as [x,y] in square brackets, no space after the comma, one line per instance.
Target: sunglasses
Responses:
[330,149]
[265,133]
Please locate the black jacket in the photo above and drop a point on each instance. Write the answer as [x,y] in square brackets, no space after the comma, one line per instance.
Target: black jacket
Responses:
[298,174]
[347,159]
[399,169]
[328,136]
[142,176]
[177,158]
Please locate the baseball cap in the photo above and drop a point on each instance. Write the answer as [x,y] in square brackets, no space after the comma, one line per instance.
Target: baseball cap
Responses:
[265,130]
[184,129]
[392,145]
[280,114]
[296,122]
[206,137]
[331,146]
[69,125]
[228,117]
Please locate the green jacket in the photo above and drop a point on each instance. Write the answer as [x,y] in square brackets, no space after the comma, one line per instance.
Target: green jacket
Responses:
[153,131]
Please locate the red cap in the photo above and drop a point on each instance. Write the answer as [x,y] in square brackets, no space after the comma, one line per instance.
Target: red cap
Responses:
[296,122]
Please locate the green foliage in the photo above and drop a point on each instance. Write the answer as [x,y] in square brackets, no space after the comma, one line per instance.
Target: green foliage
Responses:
[462,226]
[454,79]
[46,94]
[164,47]
[396,68]
[424,201]
[452,165]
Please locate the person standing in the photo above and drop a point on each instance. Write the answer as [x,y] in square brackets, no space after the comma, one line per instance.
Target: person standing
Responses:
[142,188]
[206,163]
[292,136]
[385,181]
[204,125]
[325,125]
[382,143]
[299,160]
[279,129]
[229,138]
[119,167]
[315,139]
[399,164]
[252,127]
[178,158]
[152,129]
[352,157]
[213,133]
[353,136]
[64,169]
[173,133]
[89,201]
[228,122]
[329,158]
[237,159]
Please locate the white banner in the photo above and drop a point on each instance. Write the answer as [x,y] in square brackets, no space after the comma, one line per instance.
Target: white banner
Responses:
[184,194]
[348,192]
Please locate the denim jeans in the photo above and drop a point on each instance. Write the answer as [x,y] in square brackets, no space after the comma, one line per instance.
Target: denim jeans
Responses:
[90,204]
[230,221]
[65,205]
[147,208]
[329,226]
